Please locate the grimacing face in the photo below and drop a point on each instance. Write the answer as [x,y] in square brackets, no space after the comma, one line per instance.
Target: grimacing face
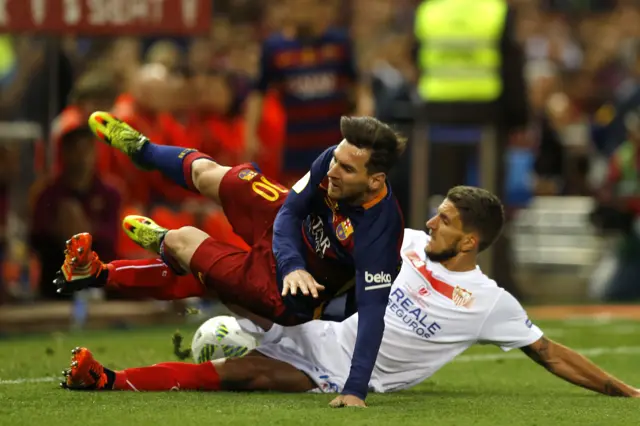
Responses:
[446,230]
[348,176]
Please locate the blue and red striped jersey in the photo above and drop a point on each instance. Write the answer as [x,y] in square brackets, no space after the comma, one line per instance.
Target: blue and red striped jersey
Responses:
[314,79]
[342,246]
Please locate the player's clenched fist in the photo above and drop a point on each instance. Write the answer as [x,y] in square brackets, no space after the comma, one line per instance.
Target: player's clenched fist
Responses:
[300,280]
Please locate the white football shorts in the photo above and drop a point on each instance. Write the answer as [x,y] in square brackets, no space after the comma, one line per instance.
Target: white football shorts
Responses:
[312,348]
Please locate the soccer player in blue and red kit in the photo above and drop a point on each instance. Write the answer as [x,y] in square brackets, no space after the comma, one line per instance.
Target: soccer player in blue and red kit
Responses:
[312,67]
[339,228]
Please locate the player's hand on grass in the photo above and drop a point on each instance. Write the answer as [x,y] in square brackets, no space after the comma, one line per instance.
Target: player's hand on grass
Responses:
[347,401]
[300,280]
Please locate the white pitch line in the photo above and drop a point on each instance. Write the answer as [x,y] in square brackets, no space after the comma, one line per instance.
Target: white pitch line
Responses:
[591,352]
[32,380]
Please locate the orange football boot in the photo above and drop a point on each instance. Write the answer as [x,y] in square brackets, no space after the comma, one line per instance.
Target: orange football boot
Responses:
[85,373]
[81,263]
[82,268]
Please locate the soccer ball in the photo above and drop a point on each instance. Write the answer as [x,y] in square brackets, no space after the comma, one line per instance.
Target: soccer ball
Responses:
[221,337]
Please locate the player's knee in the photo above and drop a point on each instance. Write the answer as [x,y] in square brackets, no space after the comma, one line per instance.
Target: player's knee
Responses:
[184,239]
[206,176]
[244,374]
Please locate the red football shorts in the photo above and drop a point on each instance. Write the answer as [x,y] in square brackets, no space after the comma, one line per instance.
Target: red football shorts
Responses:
[245,278]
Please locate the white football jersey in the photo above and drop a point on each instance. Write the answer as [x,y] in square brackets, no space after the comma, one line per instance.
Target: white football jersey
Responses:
[433,315]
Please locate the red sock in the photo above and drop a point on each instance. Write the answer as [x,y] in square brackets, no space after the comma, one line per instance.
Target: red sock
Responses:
[169,376]
[186,167]
[151,278]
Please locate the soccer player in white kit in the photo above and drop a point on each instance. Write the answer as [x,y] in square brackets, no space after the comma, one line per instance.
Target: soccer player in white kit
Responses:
[440,304]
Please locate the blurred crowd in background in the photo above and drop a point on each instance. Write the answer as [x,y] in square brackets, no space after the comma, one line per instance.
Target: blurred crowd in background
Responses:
[582,71]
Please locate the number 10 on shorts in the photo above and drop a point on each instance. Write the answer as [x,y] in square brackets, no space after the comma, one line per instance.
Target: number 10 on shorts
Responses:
[268,190]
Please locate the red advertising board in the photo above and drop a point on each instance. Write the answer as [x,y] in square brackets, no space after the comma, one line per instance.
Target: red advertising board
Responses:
[106,17]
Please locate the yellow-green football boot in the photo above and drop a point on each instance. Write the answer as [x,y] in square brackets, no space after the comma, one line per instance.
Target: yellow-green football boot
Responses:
[144,232]
[118,134]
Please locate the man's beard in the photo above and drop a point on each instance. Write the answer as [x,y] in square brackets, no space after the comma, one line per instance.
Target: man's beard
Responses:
[443,255]
[354,199]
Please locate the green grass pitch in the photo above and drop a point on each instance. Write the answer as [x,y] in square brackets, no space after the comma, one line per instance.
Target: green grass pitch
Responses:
[484,387]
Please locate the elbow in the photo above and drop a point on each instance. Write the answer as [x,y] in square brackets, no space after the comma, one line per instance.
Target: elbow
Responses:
[555,358]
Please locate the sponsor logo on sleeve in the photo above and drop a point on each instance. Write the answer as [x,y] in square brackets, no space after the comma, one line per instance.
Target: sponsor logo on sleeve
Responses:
[376,281]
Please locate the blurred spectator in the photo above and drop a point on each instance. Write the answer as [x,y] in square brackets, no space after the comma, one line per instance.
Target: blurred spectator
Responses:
[93,91]
[146,107]
[164,52]
[182,100]
[623,183]
[613,114]
[221,128]
[218,113]
[312,68]
[200,55]
[9,164]
[619,209]
[124,60]
[52,78]
[76,200]
[154,94]
[549,164]
[393,74]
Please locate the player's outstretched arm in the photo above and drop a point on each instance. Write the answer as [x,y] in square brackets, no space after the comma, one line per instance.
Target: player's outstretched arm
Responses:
[288,245]
[577,369]
[377,257]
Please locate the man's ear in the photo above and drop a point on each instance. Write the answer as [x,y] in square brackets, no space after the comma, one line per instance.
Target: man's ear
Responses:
[377,181]
[469,243]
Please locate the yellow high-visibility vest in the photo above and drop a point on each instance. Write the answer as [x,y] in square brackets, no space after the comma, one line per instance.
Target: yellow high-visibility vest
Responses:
[460,55]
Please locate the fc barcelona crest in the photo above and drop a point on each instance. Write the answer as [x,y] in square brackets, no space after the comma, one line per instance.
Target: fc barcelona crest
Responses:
[344,230]
[247,174]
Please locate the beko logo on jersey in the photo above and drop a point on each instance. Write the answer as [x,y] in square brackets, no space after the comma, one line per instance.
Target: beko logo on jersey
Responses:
[376,281]
[379,278]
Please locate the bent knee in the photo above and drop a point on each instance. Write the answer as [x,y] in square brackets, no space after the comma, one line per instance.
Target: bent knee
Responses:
[186,238]
[207,175]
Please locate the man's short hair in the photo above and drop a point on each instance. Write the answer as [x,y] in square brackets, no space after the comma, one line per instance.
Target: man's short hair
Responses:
[480,211]
[385,144]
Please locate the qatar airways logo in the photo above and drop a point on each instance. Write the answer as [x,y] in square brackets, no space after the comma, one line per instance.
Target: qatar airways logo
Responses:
[415,317]
[321,240]
[307,86]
